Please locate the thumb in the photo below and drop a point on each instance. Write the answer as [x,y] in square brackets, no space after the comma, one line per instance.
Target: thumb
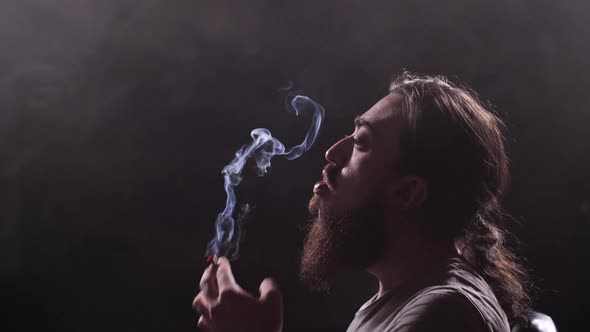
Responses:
[272,302]
[270,293]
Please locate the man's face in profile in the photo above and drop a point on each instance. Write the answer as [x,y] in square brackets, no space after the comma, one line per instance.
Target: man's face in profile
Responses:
[347,230]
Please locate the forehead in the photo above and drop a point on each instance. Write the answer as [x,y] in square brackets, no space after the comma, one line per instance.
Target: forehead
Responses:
[381,116]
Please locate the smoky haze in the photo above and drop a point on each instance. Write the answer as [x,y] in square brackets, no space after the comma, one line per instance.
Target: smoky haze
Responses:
[262,149]
[116,117]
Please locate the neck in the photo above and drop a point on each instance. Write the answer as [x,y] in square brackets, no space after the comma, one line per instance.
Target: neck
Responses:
[410,256]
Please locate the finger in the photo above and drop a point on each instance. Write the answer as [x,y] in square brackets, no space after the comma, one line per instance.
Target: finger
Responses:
[270,293]
[272,301]
[204,324]
[208,283]
[202,305]
[225,277]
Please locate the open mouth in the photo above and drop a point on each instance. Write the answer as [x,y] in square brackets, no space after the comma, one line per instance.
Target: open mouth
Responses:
[325,184]
[320,186]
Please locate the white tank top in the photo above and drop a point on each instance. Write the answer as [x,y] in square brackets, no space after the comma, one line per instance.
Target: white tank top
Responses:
[456,299]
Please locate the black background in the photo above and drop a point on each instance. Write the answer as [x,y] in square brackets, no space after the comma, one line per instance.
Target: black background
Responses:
[117,116]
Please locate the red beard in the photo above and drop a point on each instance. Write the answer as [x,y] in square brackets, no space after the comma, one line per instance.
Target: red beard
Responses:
[355,241]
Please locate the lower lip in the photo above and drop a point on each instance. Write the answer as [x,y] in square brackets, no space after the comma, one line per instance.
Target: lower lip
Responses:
[319,187]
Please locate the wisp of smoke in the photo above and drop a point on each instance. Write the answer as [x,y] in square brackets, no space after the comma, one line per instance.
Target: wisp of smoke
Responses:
[262,148]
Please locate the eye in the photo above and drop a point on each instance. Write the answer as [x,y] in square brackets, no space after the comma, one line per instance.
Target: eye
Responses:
[360,142]
[357,141]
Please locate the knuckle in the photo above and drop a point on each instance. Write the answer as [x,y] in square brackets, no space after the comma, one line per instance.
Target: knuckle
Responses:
[199,303]
[203,325]
[204,281]
[196,301]
[201,321]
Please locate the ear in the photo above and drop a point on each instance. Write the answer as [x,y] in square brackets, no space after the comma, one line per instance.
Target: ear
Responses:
[409,192]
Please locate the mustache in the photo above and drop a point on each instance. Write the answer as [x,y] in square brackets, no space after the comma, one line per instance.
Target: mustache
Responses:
[329,174]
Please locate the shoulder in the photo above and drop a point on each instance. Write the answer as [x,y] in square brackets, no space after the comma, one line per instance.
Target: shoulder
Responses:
[439,308]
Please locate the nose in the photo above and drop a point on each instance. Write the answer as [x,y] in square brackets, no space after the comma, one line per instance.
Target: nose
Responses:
[339,152]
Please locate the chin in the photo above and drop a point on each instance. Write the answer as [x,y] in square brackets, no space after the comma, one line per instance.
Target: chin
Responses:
[323,206]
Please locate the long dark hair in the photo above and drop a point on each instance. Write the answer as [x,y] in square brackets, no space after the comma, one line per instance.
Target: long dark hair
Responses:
[451,140]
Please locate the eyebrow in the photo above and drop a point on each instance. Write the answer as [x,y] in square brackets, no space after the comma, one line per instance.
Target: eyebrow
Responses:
[360,122]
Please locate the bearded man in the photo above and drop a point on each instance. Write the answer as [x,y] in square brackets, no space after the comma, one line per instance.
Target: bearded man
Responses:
[412,197]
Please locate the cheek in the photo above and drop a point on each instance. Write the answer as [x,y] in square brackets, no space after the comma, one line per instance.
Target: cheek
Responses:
[362,177]
[369,175]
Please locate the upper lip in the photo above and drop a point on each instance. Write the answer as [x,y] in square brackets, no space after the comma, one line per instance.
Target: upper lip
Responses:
[326,179]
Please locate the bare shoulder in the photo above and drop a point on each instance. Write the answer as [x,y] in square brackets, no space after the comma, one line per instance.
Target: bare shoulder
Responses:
[439,309]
